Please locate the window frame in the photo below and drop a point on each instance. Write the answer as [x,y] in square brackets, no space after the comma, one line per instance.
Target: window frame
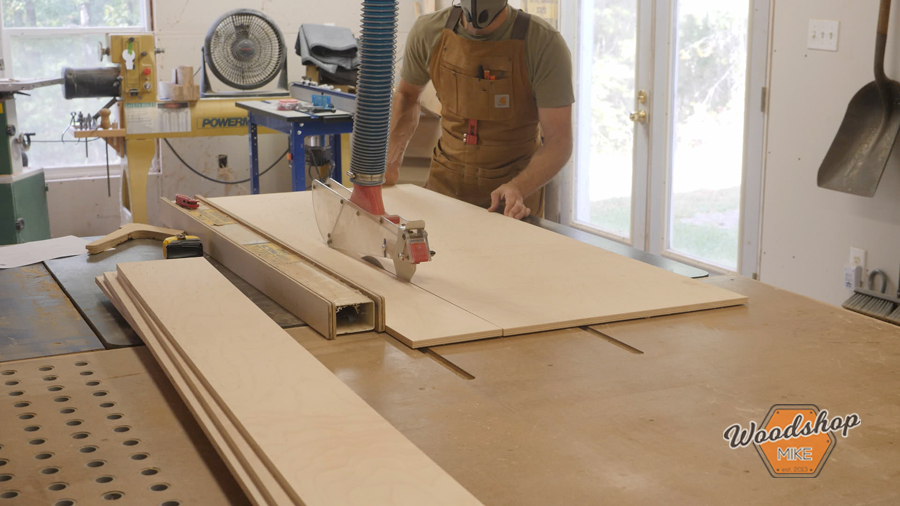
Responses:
[651,215]
[642,137]
[749,230]
[7,33]
[74,30]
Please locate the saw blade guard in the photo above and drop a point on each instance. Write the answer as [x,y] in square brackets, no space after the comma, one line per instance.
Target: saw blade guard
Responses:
[347,227]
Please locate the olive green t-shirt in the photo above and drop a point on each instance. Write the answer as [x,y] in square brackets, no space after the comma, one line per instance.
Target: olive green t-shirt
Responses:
[547,56]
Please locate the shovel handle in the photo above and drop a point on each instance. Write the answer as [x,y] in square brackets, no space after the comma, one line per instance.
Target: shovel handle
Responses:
[884,17]
[884,21]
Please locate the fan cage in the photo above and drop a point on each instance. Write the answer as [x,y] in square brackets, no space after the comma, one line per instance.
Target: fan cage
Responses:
[245,49]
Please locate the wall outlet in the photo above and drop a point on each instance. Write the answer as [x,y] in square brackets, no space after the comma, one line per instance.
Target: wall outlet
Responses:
[858,257]
[823,35]
[852,277]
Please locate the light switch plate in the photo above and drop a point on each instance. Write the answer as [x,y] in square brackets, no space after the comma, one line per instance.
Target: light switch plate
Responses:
[823,35]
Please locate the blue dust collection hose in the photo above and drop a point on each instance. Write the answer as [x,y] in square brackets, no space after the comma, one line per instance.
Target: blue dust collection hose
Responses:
[374,88]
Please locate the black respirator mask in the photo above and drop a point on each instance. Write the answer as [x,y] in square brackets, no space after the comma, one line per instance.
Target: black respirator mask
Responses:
[480,13]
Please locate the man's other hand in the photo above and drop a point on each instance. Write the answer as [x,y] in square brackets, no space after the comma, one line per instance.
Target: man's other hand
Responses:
[510,197]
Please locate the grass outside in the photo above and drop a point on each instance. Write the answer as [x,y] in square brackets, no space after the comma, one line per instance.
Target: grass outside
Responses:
[705,223]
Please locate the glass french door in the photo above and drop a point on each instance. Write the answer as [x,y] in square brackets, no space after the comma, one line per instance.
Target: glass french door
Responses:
[612,133]
[668,149]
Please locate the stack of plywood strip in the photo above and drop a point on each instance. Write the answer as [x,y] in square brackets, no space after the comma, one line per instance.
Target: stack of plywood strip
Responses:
[290,431]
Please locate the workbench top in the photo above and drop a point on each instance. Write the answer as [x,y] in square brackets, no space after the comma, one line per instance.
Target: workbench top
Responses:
[637,416]
[634,412]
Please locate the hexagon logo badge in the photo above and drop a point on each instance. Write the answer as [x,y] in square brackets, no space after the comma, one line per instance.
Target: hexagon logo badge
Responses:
[799,456]
[794,440]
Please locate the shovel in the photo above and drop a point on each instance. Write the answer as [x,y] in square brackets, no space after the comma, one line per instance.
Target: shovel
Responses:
[863,144]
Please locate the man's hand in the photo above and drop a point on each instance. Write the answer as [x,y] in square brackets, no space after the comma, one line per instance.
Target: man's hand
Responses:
[514,201]
[556,123]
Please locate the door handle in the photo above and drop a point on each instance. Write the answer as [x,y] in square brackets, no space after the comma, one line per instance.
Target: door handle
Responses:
[639,117]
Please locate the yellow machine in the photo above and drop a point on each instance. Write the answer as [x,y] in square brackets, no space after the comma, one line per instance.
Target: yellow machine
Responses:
[136,57]
[137,122]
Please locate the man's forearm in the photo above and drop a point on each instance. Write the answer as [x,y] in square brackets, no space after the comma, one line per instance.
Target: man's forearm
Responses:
[404,121]
[547,161]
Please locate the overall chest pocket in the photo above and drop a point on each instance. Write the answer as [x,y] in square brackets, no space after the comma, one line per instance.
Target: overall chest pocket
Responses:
[484,99]
[466,94]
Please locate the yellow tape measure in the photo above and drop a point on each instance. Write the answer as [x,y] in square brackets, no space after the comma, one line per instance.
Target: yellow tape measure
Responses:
[182,246]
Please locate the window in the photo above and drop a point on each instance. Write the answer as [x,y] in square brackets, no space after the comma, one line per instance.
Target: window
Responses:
[608,143]
[668,153]
[708,115]
[40,37]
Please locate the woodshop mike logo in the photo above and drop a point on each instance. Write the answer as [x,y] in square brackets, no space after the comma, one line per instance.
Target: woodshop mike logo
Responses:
[795,440]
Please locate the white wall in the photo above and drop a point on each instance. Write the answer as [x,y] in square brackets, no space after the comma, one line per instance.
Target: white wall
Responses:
[808,231]
[82,207]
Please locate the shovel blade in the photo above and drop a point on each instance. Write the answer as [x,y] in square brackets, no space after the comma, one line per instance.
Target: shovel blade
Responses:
[861,149]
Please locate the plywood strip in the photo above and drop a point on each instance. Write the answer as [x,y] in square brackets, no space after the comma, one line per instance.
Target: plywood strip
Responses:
[316,435]
[516,276]
[327,305]
[242,461]
[417,318]
[260,476]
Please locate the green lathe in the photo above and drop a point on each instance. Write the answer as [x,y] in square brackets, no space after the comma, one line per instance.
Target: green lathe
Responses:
[23,195]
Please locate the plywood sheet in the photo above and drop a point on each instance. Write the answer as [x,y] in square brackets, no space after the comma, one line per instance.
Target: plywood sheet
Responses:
[526,279]
[326,444]
[512,275]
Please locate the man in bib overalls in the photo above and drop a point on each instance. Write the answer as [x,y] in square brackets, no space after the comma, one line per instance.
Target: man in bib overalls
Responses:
[504,80]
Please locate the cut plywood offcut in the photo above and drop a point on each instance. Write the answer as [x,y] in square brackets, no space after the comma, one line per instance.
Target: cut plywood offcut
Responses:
[318,438]
[491,276]
[327,305]
[207,413]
